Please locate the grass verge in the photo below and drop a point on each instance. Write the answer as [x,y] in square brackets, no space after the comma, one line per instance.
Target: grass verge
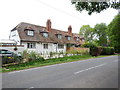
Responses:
[38,63]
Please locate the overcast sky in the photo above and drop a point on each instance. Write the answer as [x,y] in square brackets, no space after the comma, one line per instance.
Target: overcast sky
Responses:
[61,13]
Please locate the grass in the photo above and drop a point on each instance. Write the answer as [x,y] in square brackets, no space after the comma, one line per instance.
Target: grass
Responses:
[47,62]
[0,69]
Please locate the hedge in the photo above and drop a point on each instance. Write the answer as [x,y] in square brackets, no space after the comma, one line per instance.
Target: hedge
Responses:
[99,50]
[107,51]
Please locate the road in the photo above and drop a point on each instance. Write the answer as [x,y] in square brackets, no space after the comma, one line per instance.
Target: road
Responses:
[91,73]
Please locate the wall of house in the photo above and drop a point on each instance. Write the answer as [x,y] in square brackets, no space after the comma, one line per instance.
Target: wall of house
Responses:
[40,48]
[61,50]
[15,36]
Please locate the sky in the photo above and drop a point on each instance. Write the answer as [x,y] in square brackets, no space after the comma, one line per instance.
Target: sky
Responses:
[61,12]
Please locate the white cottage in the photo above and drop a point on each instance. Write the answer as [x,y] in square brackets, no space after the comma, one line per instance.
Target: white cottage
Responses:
[44,39]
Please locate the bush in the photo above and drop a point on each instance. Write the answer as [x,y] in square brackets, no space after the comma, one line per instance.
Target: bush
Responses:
[94,49]
[107,51]
[33,56]
[24,56]
[17,58]
[30,56]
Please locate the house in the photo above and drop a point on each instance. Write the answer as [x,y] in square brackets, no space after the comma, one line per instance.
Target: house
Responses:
[45,39]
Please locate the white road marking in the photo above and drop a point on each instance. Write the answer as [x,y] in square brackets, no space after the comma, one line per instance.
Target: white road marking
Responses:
[90,68]
[31,87]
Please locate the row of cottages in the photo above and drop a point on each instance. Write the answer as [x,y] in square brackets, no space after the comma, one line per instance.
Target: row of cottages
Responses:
[45,39]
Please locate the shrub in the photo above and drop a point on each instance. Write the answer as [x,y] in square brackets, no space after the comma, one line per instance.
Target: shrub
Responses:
[39,58]
[51,54]
[94,49]
[17,58]
[107,51]
[30,56]
[24,56]
[33,56]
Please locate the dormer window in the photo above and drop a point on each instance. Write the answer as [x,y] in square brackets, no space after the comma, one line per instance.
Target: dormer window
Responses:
[69,38]
[30,32]
[45,34]
[77,39]
[59,36]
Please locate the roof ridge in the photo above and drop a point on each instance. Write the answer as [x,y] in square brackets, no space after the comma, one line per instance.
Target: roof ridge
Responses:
[40,26]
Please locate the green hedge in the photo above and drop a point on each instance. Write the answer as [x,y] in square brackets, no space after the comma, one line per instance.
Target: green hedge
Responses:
[99,50]
[94,49]
[107,51]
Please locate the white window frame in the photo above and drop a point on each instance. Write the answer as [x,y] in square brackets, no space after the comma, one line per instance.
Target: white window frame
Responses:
[45,46]
[60,46]
[45,34]
[30,33]
[31,45]
[77,39]
[69,38]
[59,36]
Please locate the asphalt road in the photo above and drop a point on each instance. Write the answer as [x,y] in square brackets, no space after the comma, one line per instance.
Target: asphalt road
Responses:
[91,73]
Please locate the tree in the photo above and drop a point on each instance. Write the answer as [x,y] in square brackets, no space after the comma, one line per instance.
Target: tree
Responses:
[101,34]
[114,33]
[87,32]
[95,6]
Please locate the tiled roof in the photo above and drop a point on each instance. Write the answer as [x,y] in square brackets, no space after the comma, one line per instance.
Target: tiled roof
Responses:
[22,27]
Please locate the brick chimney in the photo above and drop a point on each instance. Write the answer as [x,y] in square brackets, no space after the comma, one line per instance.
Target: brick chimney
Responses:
[48,25]
[70,30]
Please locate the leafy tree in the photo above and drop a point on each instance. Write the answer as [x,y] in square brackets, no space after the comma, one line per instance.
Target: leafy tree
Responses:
[101,34]
[95,6]
[87,32]
[114,33]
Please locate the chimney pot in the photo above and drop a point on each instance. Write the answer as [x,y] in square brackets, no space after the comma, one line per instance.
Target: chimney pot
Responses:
[70,29]
[48,25]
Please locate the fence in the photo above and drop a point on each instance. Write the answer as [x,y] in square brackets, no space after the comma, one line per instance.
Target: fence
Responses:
[78,49]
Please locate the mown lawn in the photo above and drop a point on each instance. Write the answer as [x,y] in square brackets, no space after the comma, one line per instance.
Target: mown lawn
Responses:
[46,62]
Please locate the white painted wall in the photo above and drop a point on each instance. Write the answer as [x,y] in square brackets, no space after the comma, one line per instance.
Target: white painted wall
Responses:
[61,50]
[39,46]
[40,49]
[15,36]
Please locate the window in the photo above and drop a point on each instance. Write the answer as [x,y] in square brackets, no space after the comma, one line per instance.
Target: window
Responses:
[60,46]
[30,33]
[13,35]
[45,34]
[45,46]
[59,36]
[68,37]
[77,39]
[31,45]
